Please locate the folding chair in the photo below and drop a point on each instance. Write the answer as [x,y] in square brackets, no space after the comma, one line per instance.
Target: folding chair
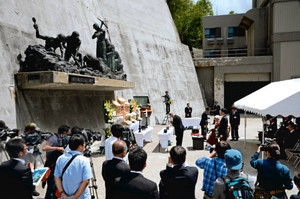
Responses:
[297,161]
[294,151]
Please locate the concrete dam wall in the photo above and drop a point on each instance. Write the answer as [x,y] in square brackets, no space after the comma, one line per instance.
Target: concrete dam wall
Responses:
[143,33]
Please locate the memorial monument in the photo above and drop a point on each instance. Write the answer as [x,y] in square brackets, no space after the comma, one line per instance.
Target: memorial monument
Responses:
[142,43]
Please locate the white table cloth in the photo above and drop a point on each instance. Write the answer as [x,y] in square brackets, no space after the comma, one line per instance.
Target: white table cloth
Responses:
[134,126]
[165,137]
[193,121]
[145,135]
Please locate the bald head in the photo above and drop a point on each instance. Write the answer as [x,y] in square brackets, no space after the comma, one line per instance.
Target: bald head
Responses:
[119,148]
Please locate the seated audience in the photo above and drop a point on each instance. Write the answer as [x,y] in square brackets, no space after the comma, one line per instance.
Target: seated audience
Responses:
[116,167]
[135,185]
[16,176]
[178,180]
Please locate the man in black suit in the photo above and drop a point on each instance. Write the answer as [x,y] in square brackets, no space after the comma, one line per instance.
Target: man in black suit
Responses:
[291,137]
[17,176]
[116,167]
[234,119]
[134,185]
[188,111]
[178,180]
[223,129]
[204,122]
[216,108]
[179,128]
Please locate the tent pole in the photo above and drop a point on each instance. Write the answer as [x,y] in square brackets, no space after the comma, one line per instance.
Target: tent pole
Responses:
[245,115]
[263,136]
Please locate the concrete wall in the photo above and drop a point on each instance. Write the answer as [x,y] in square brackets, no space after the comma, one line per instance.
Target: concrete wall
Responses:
[206,79]
[257,34]
[285,39]
[235,69]
[286,17]
[49,109]
[142,31]
[290,60]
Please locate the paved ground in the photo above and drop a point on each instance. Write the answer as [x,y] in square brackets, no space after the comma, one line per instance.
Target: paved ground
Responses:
[157,160]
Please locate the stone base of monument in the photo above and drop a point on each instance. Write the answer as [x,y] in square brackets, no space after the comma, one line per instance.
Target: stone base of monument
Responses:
[53,80]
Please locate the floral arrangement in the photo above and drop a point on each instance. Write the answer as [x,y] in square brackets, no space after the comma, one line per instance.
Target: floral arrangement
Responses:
[109,112]
[133,106]
[107,132]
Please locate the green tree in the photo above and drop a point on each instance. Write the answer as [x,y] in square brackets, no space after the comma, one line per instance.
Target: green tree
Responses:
[232,12]
[187,16]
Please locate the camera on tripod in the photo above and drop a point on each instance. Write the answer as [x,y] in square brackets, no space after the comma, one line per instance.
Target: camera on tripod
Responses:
[36,137]
[128,137]
[11,133]
[90,136]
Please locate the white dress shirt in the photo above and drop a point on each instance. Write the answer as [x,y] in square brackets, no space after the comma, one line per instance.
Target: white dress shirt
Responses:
[108,147]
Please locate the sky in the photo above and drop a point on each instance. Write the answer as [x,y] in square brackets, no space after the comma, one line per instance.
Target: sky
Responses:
[223,7]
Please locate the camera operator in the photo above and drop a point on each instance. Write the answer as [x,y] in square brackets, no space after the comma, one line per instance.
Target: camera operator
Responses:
[214,167]
[2,125]
[30,128]
[273,177]
[116,131]
[54,148]
[167,101]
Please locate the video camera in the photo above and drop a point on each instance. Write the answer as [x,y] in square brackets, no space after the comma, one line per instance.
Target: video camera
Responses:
[128,137]
[263,147]
[11,133]
[36,137]
[91,136]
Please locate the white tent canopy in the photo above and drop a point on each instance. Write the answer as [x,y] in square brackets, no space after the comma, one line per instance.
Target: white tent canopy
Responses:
[277,98]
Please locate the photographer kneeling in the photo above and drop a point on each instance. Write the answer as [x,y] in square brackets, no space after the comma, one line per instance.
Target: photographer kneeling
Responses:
[54,148]
[273,177]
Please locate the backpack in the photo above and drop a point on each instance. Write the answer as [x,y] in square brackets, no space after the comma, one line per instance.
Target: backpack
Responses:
[237,188]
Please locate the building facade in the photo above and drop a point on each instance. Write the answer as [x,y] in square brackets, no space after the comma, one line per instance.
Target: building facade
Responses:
[271,49]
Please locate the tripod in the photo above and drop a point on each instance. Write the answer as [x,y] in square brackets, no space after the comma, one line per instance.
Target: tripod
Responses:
[93,185]
[36,153]
[2,148]
[166,119]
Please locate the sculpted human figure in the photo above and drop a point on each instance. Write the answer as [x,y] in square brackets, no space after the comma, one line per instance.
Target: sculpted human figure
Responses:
[51,43]
[101,44]
[73,43]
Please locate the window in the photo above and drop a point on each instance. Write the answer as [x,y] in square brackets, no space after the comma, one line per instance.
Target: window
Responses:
[236,32]
[212,32]
[143,100]
[213,53]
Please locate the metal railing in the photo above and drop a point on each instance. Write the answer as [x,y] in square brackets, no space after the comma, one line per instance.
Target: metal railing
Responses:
[242,52]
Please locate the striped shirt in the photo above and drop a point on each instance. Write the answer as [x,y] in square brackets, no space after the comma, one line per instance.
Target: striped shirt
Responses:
[209,176]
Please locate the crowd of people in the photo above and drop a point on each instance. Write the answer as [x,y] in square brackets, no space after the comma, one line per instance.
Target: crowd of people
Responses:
[70,172]
[287,135]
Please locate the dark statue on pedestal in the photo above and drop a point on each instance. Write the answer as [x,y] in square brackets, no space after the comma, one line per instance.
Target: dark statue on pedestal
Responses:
[51,43]
[72,46]
[107,64]
[101,44]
